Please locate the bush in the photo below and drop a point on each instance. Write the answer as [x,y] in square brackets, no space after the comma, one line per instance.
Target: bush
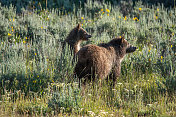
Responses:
[65,98]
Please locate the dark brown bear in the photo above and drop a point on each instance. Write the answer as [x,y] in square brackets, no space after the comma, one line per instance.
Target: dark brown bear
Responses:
[75,37]
[99,61]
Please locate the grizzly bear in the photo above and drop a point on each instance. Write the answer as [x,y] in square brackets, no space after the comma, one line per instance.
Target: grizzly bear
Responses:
[102,60]
[75,37]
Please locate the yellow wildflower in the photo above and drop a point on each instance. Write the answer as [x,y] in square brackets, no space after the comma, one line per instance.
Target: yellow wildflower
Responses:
[156,17]
[10,20]
[135,19]
[38,76]
[35,53]
[9,34]
[101,9]
[24,41]
[161,57]
[108,14]
[140,9]
[103,12]
[53,81]
[82,24]
[149,59]
[125,18]
[13,19]
[82,17]
[34,81]
[120,36]
[158,9]
[12,28]
[26,37]
[171,46]
[119,17]
[41,27]
[108,10]
[173,34]
[149,50]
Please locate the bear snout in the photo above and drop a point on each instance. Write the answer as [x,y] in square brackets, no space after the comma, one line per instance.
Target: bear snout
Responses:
[135,48]
[88,36]
[131,49]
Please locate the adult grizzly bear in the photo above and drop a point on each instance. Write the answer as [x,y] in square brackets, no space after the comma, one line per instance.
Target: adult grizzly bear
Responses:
[99,61]
[75,37]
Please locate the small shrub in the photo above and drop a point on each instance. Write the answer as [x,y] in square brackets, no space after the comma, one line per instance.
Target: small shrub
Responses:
[65,98]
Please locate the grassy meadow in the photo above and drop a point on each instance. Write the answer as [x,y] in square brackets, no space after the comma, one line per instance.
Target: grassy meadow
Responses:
[36,75]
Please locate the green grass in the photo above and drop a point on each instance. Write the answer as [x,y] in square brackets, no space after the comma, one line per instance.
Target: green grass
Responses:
[36,75]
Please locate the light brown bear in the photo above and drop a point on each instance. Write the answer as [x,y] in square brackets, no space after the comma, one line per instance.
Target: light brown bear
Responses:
[75,37]
[102,60]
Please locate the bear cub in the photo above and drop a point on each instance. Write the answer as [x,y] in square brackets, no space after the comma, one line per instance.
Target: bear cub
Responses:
[75,37]
[102,60]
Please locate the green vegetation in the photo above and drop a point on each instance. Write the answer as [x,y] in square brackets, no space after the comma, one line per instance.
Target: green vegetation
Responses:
[36,75]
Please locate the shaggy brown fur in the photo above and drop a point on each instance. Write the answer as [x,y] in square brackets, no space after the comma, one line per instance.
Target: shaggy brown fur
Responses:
[75,37]
[99,61]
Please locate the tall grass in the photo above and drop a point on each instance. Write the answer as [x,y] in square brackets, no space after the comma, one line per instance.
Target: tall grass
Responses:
[36,75]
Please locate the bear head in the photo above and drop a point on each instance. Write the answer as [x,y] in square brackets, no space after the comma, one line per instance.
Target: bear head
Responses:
[122,44]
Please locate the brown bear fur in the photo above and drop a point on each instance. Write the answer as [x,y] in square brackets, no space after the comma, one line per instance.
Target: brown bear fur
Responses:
[99,61]
[75,37]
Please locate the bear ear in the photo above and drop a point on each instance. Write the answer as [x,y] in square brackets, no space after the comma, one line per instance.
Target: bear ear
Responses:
[122,38]
[79,26]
